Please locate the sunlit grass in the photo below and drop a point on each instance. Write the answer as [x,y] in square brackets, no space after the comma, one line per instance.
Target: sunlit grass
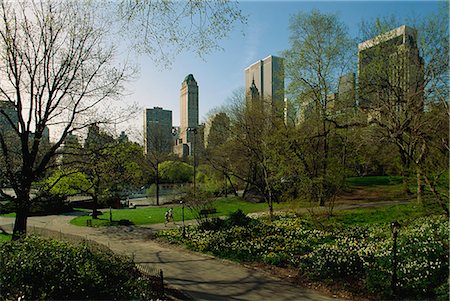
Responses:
[155,215]
[5,237]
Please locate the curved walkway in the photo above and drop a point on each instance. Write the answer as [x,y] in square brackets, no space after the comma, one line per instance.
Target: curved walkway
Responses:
[199,276]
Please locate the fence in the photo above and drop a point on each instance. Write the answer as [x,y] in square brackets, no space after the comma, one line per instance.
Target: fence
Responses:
[148,272]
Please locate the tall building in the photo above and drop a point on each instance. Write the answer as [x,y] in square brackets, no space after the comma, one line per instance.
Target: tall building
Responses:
[216,130]
[9,109]
[347,91]
[265,79]
[189,110]
[158,130]
[390,73]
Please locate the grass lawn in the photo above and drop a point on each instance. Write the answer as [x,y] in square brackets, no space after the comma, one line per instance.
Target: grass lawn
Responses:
[4,237]
[155,215]
[370,216]
[12,214]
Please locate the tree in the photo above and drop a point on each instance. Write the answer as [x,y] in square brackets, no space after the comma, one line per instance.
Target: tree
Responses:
[165,28]
[217,139]
[175,172]
[319,55]
[404,86]
[58,69]
[248,152]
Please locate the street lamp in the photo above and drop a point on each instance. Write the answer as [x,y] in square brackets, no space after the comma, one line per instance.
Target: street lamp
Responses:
[194,130]
[395,228]
[182,216]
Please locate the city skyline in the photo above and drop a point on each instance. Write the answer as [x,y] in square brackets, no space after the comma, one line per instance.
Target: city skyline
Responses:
[266,33]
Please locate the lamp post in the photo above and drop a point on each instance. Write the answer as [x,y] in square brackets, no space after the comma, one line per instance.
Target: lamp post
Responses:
[182,216]
[194,130]
[395,228]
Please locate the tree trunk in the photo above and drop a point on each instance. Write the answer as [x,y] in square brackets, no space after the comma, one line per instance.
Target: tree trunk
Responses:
[22,211]
[157,183]
[232,186]
[95,206]
[20,224]
[419,187]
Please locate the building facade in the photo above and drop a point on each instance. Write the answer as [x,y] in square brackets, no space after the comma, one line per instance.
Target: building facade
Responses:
[188,108]
[158,130]
[264,79]
[390,73]
[216,130]
[9,110]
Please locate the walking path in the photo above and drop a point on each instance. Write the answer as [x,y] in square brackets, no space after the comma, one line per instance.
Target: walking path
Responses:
[199,276]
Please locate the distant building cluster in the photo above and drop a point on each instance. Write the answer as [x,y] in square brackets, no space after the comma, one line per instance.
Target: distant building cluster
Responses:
[9,124]
[264,86]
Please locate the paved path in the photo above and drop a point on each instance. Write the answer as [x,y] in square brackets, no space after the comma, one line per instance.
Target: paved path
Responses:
[199,276]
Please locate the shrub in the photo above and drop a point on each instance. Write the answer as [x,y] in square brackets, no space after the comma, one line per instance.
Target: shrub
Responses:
[48,269]
[214,223]
[238,218]
[362,254]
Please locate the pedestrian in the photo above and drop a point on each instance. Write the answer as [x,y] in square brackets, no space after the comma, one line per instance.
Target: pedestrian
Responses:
[171,214]
[166,216]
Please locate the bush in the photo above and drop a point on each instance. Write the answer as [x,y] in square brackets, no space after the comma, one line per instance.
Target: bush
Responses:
[238,218]
[362,254]
[48,269]
[215,223]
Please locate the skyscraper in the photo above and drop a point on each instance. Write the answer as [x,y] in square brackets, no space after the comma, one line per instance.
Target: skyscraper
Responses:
[188,108]
[9,110]
[158,130]
[390,73]
[265,79]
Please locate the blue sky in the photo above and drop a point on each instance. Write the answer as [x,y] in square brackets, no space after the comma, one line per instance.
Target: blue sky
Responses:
[221,72]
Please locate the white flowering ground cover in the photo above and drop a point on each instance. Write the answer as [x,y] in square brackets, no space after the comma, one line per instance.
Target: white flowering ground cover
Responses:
[361,254]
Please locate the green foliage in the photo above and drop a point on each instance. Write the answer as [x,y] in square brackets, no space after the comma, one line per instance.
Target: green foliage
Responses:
[361,254]
[374,180]
[48,269]
[68,182]
[175,172]
[238,218]
[151,191]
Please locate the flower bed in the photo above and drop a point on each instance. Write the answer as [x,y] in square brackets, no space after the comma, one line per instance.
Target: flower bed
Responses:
[362,253]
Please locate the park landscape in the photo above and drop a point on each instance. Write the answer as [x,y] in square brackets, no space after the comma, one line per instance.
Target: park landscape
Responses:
[348,200]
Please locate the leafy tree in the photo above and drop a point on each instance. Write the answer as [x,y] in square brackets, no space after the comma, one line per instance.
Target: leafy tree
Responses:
[217,139]
[68,182]
[112,167]
[319,55]
[405,87]
[248,152]
[175,172]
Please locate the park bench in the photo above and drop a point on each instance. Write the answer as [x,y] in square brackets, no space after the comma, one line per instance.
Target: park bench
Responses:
[205,212]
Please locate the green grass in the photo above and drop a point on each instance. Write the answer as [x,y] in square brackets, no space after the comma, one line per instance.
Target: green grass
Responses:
[12,214]
[374,180]
[382,215]
[5,237]
[155,215]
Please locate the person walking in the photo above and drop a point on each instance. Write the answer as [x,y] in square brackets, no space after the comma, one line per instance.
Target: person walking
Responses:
[166,216]
[170,218]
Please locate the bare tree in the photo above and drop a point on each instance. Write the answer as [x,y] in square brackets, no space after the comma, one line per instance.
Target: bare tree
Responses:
[57,69]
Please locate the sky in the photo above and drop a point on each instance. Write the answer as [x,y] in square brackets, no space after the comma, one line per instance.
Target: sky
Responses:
[266,33]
